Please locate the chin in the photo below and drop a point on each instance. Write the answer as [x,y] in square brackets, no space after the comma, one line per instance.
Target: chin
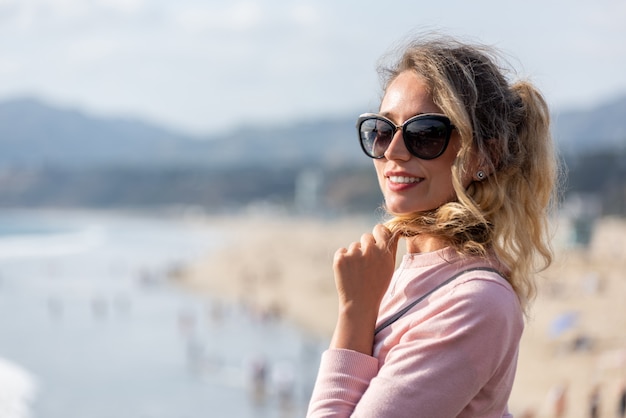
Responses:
[400,211]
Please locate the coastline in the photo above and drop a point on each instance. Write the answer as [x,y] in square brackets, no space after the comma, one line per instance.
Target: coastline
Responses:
[283,267]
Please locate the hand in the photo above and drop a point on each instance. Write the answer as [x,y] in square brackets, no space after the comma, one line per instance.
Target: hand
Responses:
[362,274]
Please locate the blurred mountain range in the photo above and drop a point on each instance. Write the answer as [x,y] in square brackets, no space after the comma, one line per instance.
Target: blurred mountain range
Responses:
[58,157]
[33,133]
[601,128]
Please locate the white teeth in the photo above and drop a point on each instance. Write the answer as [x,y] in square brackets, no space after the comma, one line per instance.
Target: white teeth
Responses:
[406,180]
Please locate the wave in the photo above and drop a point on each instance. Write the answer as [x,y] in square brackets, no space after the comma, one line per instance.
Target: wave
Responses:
[52,244]
[18,388]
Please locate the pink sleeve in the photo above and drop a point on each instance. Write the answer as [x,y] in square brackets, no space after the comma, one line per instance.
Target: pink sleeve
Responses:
[459,360]
[342,378]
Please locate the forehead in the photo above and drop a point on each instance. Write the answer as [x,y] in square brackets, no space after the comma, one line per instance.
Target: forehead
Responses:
[407,95]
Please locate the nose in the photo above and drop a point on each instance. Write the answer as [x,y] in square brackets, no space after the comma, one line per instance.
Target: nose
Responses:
[397,149]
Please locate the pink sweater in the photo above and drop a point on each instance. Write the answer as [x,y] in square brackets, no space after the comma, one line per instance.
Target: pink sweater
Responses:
[452,355]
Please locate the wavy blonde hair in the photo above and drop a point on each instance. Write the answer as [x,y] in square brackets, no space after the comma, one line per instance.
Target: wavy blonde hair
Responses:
[506,125]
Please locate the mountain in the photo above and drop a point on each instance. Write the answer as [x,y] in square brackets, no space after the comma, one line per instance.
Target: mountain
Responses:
[36,134]
[33,133]
[55,157]
[599,128]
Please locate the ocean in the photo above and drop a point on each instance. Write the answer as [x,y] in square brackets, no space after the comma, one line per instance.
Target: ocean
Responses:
[91,326]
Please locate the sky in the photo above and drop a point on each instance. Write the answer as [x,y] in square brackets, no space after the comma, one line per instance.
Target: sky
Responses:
[205,67]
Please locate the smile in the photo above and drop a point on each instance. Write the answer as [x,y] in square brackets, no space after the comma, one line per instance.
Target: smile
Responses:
[404,180]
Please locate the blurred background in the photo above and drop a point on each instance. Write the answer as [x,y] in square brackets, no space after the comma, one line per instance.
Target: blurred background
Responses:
[128,127]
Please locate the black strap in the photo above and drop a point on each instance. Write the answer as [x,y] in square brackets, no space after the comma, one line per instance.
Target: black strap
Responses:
[404,310]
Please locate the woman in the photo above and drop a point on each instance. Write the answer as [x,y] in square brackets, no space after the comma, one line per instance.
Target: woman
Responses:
[467,168]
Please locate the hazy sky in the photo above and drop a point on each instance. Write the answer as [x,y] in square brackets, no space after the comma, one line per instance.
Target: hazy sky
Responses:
[204,66]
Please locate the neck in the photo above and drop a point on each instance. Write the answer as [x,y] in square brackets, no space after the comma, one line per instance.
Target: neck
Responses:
[424,244]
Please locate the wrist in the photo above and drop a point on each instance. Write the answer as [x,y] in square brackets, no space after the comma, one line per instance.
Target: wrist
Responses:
[354,329]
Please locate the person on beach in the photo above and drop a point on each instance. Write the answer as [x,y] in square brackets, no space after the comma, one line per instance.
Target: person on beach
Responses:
[621,408]
[468,171]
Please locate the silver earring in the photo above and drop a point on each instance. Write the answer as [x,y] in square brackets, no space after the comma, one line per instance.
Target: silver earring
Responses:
[480,175]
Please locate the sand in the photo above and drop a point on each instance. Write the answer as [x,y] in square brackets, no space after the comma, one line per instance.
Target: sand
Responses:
[284,267]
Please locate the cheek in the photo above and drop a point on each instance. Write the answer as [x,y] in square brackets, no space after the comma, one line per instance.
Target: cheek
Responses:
[379,167]
[441,172]
[449,157]
[467,179]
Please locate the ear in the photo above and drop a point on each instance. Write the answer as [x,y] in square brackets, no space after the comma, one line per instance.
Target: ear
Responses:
[477,168]
[483,164]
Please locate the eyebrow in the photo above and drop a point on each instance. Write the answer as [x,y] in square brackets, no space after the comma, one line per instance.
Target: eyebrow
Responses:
[388,115]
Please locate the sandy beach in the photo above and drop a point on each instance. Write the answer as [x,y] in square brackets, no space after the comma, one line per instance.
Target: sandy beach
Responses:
[575,337]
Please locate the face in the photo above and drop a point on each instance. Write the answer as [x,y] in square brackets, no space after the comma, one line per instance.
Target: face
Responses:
[408,183]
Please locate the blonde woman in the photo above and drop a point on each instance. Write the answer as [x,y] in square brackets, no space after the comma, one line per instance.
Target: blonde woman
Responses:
[467,167]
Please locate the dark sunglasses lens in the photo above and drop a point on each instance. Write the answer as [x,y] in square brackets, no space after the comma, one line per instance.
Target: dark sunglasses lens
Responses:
[426,138]
[376,135]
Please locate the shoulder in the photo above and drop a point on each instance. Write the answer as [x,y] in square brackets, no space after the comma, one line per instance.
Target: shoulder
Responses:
[486,296]
[483,283]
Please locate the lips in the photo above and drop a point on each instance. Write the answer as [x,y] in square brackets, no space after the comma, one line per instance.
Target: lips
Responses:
[400,181]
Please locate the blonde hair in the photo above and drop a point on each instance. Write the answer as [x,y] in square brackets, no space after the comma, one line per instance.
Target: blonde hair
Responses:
[507,126]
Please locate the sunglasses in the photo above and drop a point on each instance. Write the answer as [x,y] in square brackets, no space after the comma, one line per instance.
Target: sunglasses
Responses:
[426,136]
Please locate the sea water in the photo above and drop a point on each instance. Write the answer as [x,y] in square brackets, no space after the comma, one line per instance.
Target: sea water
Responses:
[92,326]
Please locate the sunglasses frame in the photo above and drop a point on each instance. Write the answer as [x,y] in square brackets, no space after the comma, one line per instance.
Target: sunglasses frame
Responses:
[436,116]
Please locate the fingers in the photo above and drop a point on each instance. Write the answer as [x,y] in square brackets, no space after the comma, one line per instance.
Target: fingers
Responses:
[354,247]
[367,240]
[381,237]
[357,246]
[382,234]
[384,237]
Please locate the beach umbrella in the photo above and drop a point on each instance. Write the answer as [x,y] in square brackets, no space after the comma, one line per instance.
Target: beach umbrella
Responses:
[562,323]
